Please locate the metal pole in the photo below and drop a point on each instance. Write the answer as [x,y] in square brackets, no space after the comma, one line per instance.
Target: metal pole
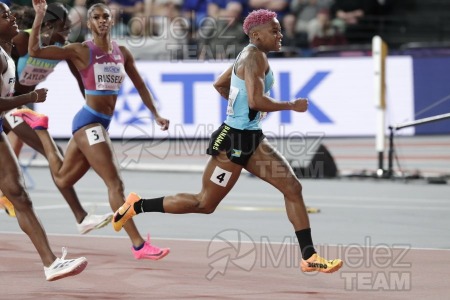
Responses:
[422,121]
[390,172]
[379,53]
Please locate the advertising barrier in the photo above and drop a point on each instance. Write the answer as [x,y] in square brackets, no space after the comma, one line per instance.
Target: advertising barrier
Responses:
[340,91]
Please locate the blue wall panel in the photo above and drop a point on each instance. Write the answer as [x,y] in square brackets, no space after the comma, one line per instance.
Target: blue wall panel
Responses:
[432,93]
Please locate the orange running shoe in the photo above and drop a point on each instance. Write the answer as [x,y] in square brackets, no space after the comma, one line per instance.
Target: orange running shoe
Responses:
[320,264]
[9,207]
[125,212]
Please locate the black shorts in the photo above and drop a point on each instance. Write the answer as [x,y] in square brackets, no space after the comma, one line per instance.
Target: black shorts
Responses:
[238,144]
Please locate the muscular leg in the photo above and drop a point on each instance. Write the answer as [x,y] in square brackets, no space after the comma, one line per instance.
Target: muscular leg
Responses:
[269,165]
[29,136]
[75,167]
[100,157]
[12,184]
[15,142]
[25,134]
[66,170]
[211,193]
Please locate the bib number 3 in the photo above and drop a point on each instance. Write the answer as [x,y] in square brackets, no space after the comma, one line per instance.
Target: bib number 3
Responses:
[220,176]
[95,135]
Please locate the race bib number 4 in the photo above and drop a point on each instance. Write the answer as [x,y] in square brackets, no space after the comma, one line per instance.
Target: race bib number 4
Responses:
[220,176]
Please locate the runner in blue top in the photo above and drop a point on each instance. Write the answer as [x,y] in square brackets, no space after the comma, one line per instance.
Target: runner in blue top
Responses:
[240,144]
[30,72]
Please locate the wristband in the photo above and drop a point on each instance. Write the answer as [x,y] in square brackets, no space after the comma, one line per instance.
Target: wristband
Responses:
[37,96]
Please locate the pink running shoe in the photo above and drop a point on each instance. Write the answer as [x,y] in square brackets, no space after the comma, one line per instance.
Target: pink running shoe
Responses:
[33,119]
[149,251]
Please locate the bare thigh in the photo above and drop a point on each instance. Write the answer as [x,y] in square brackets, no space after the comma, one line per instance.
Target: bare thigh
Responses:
[26,134]
[74,166]
[269,165]
[99,153]
[219,177]
[11,179]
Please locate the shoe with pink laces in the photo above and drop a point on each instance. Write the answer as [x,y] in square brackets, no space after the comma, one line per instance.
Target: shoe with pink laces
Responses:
[35,120]
[149,251]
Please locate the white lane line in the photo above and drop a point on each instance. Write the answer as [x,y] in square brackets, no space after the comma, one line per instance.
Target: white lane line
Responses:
[209,240]
[95,194]
[281,208]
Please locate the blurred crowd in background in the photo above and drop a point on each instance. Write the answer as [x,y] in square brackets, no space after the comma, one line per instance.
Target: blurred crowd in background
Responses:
[212,29]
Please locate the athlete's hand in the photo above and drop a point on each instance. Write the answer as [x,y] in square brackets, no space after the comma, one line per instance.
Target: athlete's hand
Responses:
[41,95]
[164,123]
[40,6]
[300,105]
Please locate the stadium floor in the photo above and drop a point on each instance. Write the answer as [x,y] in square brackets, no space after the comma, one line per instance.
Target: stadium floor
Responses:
[391,234]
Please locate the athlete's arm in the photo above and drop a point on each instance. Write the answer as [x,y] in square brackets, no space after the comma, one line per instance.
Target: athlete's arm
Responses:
[255,67]
[223,82]
[70,51]
[8,103]
[139,84]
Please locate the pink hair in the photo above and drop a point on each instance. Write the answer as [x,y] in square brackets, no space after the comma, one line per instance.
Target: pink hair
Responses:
[258,17]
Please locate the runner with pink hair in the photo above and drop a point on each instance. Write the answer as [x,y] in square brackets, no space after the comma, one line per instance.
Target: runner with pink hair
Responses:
[239,143]
[258,17]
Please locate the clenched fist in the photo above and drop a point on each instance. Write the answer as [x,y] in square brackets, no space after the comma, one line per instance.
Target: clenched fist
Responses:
[300,105]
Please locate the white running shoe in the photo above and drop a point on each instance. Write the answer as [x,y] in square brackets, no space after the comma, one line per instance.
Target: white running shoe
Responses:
[62,267]
[91,222]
